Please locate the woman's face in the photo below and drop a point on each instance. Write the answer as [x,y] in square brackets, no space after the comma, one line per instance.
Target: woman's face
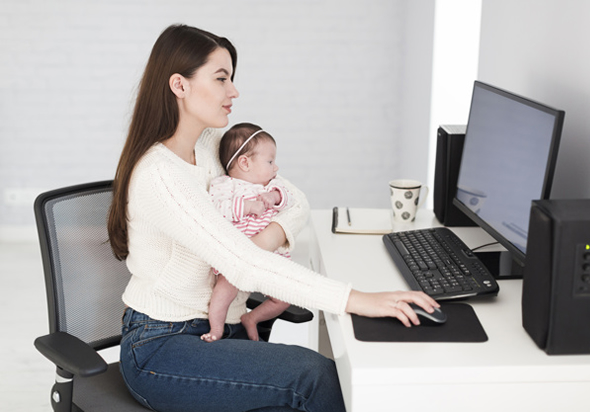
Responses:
[210,91]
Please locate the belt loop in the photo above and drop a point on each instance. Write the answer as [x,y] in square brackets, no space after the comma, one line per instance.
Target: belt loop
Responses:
[127,315]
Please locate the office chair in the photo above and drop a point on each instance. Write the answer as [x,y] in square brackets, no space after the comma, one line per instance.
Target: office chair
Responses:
[84,284]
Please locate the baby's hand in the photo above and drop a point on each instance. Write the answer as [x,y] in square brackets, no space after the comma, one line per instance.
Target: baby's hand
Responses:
[270,199]
[254,207]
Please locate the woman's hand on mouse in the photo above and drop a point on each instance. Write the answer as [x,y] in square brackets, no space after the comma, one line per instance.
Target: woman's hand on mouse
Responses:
[390,304]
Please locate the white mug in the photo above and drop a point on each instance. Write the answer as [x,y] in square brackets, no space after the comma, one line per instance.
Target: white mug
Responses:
[405,199]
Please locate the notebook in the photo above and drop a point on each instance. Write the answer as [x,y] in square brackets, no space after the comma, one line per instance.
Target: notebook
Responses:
[362,221]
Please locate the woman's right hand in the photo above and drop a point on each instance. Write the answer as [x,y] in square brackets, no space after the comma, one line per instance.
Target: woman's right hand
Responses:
[390,304]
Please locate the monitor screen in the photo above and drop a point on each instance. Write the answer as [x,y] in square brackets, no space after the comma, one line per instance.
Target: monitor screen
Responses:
[508,160]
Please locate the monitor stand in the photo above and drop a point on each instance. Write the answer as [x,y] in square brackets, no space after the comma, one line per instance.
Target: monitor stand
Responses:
[501,264]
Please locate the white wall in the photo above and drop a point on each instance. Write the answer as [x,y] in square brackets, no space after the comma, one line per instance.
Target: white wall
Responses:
[416,88]
[325,77]
[454,67]
[540,49]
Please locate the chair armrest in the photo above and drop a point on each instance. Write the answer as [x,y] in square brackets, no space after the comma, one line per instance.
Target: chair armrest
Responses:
[71,354]
[293,314]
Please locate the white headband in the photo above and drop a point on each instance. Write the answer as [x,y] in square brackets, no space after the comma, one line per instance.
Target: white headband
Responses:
[241,147]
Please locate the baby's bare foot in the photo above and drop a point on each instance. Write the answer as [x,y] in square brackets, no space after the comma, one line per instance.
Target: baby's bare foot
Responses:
[250,326]
[207,337]
[212,336]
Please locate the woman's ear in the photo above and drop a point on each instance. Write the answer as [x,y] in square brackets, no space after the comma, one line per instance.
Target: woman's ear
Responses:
[177,85]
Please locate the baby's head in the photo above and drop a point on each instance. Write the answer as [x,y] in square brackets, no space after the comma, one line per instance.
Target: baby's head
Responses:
[247,152]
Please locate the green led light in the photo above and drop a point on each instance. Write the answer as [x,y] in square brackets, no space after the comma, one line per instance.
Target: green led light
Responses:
[587,247]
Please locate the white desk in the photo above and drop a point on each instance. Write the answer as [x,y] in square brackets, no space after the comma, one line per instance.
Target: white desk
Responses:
[506,373]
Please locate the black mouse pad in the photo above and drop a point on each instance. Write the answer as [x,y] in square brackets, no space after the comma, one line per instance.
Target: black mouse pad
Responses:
[462,325]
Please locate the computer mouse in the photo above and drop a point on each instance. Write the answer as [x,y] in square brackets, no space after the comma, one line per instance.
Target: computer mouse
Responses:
[436,318]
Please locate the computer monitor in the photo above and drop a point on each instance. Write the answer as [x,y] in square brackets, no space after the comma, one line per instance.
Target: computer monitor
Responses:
[508,160]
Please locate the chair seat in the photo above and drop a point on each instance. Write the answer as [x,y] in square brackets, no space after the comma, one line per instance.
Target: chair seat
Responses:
[105,392]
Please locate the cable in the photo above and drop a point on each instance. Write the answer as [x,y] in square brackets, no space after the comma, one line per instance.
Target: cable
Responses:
[482,246]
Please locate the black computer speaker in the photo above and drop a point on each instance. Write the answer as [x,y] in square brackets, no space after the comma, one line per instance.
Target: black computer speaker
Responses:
[449,149]
[556,281]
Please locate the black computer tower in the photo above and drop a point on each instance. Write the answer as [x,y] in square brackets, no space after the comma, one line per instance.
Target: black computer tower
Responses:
[556,281]
[449,149]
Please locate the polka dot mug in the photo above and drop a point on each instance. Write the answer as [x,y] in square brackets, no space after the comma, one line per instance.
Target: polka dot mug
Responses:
[406,199]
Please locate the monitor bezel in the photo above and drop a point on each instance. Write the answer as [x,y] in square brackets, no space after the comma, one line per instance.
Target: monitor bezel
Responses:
[518,255]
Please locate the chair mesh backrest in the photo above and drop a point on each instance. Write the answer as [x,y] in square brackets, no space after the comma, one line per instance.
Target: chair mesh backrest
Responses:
[88,280]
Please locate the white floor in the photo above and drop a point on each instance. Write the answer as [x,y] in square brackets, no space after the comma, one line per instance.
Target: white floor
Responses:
[27,376]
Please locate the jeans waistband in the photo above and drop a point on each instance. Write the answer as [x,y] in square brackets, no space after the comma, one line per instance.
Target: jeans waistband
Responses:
[132,316]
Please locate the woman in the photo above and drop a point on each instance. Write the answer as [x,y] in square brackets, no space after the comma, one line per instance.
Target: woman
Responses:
[163,223]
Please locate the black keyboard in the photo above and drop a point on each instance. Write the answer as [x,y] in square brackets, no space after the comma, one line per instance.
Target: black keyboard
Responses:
[437,262]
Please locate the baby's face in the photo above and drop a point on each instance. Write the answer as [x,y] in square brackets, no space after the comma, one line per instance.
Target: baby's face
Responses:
[263,167]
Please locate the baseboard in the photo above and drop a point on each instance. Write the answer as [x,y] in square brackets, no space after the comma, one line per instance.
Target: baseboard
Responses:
[24,233]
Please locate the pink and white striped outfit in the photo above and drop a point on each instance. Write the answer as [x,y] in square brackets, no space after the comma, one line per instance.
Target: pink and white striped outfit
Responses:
[229,194]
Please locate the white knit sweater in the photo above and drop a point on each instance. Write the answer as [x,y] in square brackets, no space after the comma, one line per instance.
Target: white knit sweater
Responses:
[175,235]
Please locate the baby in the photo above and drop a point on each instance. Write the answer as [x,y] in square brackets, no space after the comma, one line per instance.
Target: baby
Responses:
[249,196]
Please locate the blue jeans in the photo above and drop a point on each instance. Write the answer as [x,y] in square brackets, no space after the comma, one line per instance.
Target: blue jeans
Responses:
[167,367]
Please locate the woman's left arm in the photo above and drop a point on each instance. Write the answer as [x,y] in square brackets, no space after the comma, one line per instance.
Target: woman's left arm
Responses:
[291,219]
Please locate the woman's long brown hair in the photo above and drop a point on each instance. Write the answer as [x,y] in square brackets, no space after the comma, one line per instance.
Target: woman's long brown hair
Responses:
[179,49]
